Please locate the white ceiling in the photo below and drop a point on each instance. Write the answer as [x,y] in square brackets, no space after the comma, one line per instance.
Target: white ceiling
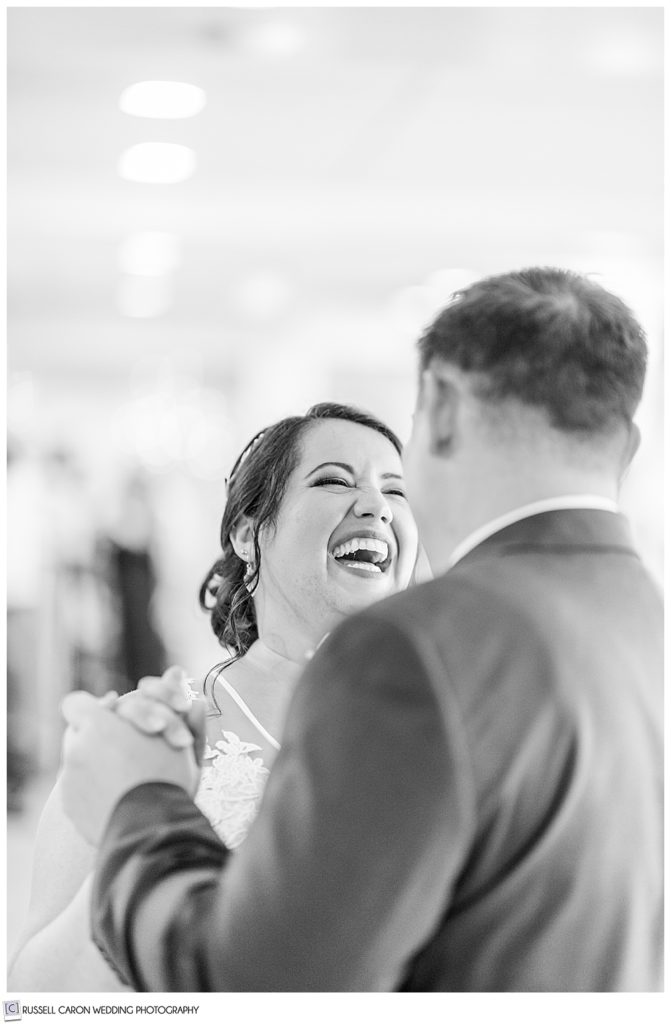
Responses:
[390,143]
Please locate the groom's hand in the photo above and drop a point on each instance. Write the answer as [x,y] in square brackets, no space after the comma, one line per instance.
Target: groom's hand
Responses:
[105,757]
[164,705]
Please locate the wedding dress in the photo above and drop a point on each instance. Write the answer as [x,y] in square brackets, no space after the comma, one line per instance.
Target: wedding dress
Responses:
[234,776]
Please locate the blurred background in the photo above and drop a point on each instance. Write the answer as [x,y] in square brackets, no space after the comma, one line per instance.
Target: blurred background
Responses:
[270,227]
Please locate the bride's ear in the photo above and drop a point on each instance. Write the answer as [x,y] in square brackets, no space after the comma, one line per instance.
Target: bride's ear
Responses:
[242,539]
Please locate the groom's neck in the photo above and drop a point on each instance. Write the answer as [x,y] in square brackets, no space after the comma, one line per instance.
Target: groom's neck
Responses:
[503,458]
[481,494]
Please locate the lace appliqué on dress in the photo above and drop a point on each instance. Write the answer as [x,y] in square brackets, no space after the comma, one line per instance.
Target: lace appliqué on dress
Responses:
[231,787]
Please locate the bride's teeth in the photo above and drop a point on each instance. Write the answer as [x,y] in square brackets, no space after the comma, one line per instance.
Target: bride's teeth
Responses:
[362,544]
[368,566]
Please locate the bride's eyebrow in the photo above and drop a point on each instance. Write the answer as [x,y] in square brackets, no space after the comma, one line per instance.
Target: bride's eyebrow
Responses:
[341,465]
[350,469]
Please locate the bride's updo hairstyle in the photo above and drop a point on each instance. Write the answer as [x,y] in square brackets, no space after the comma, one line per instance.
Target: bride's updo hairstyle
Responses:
[255,489]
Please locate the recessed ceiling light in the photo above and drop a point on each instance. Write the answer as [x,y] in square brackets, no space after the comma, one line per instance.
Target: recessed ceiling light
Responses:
[276,39]
[263,295]
[160,163]
[144,297]
[626,55]
[162,100]
[149,253]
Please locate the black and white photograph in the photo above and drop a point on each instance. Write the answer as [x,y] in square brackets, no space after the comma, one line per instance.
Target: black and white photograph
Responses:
[334,505]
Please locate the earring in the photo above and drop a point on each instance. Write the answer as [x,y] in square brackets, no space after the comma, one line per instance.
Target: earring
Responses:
[249,570]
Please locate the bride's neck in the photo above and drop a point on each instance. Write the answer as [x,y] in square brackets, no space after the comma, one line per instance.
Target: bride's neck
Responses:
[287,638]
[270,655]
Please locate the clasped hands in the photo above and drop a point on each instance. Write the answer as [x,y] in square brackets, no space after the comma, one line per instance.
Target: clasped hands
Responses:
[113,744]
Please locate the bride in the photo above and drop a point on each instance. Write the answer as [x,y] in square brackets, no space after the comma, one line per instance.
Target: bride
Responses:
[316,527]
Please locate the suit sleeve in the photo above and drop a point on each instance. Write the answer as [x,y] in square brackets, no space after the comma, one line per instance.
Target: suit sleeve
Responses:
[349,866]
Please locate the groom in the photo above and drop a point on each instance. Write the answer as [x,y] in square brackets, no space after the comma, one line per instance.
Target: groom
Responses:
[469,794]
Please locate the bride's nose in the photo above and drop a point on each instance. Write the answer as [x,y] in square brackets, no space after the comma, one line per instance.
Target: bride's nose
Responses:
[372,503]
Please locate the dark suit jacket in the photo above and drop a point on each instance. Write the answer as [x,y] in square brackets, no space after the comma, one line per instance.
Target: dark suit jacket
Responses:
[468,797]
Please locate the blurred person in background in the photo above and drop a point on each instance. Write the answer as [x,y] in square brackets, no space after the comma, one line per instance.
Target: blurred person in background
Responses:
[316,527]
[469,796]
[126,551]
[80,621]
[25,578]
[78,632]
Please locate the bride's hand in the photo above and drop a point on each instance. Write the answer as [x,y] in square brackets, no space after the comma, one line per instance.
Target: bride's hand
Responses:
[104,758]
[164,705]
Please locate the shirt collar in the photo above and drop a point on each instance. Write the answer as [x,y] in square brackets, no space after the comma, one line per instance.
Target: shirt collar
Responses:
[562,501]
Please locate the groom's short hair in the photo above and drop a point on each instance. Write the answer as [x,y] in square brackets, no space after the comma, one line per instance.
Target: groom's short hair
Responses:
[548,338]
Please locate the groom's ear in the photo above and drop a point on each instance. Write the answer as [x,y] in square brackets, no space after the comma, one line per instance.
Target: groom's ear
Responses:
[631,447]
[441,400]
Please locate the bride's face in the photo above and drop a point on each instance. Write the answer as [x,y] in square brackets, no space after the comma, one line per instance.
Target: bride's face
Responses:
[344,536]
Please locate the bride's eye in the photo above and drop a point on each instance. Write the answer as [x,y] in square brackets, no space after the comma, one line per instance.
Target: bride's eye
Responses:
[398,492]
[332,481]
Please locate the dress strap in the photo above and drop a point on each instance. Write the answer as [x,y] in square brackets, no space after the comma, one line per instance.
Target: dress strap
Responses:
[248,713]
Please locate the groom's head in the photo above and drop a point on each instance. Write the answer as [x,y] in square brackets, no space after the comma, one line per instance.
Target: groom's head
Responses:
[528,381]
